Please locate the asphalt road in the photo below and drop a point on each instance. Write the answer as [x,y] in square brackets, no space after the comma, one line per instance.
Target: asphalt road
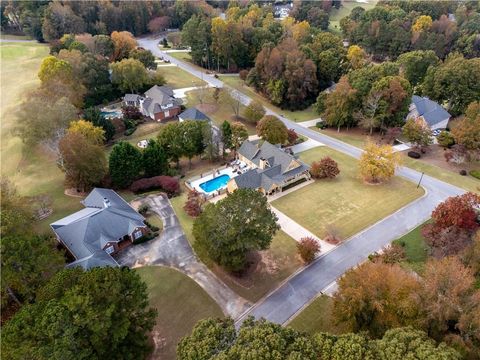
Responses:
[299,289]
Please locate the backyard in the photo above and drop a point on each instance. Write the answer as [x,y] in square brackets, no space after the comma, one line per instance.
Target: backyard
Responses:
[180,303]
[345,203]
[336,15]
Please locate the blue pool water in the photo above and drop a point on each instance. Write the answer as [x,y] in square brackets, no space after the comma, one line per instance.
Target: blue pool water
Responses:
[215,183]
[111,114]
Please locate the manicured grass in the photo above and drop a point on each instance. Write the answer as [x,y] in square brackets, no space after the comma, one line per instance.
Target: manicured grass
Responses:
[218,111]
[178,78]
[346,202]
[155,220]
[181,55]
[297,116]
[336,15]
[416,250]
[317,317]
[180,303]
[465,182]
[14,37]
[278,263]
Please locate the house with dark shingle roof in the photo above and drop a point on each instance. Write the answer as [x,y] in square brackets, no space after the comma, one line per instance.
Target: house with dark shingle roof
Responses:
[193,114]
[158,103]
[433,113]
[106,225]
[271,169]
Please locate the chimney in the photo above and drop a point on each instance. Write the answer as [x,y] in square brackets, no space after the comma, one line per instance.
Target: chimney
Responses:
[106,202]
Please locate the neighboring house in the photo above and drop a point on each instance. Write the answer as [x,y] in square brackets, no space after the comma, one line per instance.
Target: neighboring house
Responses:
[106,225]
[434,114]
[193,114]
[282,11]
[158,103]
[272,169]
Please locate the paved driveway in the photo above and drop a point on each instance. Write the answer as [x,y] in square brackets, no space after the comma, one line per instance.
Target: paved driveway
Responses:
[286,300]
[172,249]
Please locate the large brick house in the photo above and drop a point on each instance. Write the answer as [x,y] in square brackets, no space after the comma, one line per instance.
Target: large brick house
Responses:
[271,169]
[106,225]
[158,103]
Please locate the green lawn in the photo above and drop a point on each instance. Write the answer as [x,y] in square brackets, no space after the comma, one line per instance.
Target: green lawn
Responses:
[336,15]
[181,55]
[346,202]
[416,250]
[297,116]
[279,261]
[465,182]
[180,303]
[317,317]
[178,78]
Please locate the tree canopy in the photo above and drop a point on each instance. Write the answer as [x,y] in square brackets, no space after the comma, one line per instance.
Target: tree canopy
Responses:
[125,164]
[272,129]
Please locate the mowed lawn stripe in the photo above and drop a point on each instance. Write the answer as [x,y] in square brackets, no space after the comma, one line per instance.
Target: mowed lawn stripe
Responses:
[346,203]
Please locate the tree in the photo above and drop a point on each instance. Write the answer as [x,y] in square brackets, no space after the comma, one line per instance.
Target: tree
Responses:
[239,134]
[129,75]
[234,226]
[467,131]
[232,98]
[171,138]
[59,19]
[326,168]
[93,134]
[82,160]
[145,57]
[28,262]
[95,116]
[272,129]
[378,163]
[103,46]
[375,297]
[368,117]
[340,105]
[193,138]
[423,23]
[16,214]
[123,43]
[125,164]
[76,314]
[308,248]
[446,139]
[417,132]
[197,34]
[357,57]
[159,24]
[414,64]
[292,137]
[211,142]
[193,206]
[254,112]
[454,222]
[226,135]
[155,161]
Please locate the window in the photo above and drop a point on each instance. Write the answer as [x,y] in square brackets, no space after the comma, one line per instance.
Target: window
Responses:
[109,249]
[137,234]
[167,114]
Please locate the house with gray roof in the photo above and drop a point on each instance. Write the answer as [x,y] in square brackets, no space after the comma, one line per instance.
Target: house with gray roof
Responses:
[193,114]
[271,169]
[433,113]
[106,225]
[158,103]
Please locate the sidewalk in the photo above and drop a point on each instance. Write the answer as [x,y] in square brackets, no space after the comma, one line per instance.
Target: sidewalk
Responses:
[306,145]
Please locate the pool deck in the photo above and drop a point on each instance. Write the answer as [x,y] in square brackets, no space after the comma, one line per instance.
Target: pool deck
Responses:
[195,184]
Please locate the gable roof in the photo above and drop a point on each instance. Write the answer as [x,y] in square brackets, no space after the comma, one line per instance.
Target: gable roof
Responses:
[193,114]
[105,219]
[277,170]
[432,112]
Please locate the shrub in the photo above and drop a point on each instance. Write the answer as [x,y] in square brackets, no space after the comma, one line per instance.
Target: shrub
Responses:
[131,112]
[143,209]
[144,238]
[193,206]
[325,168]
[308,248]
[414,155]
[475,173]
[129,131]
[243,74]
[392,254]
[463,172]
[320,125]
[166,183]
[254,112]
[333,235]
[445,139]
[292,137]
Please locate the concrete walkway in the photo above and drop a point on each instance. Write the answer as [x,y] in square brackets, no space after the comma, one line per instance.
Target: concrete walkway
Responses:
[309,123]
[306,145]
[172,249]
[180,93]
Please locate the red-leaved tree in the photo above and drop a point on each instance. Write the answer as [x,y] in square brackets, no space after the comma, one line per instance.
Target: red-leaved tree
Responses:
[193,206]
[326,168]
[308,248]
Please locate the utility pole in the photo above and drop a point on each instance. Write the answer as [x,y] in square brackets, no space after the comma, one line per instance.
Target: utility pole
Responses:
[419,181]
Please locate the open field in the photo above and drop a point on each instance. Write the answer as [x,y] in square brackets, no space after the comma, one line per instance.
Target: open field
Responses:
[276,263]
[180,303]
[299,115]
[218,111]
[336,15]
[346,202]
[178,78]
[317,317]
[452,177]
[416,250]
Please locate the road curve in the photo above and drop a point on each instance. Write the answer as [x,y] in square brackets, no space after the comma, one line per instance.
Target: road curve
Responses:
[285,301]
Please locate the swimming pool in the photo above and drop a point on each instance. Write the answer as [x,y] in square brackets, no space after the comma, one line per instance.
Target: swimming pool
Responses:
[215,183]
[112,114]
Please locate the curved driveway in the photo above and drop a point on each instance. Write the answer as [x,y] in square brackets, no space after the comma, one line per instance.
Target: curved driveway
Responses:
[285,301]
